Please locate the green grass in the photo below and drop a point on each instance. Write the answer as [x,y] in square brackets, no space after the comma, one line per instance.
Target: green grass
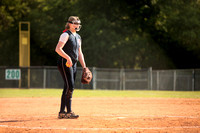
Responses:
[97,93]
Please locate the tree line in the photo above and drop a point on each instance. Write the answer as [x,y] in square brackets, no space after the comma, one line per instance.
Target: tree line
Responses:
[164,34]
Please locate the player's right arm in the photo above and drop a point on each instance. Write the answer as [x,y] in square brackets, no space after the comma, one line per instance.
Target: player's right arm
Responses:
[59,48]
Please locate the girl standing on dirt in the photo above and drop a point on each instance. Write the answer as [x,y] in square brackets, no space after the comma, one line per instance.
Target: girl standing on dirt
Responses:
[69,51]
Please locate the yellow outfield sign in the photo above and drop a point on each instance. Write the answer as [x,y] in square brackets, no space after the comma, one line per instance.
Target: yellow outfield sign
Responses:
[24,44]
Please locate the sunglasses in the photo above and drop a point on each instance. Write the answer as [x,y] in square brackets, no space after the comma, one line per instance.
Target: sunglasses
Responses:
[75,22]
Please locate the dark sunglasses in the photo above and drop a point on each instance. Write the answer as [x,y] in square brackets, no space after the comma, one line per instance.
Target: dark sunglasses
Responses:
[76,22]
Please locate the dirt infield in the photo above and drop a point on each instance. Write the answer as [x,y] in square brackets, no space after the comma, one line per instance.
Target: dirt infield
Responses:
[137,115]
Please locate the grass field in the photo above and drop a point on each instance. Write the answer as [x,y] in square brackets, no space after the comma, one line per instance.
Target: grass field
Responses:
[98,93]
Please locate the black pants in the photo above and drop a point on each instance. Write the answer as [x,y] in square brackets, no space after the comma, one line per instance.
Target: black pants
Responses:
[68,75]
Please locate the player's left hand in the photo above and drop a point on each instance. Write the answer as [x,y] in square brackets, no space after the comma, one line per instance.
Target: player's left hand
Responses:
[86,76]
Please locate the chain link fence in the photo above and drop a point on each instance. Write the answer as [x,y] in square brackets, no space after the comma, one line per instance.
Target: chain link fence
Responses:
[109,79]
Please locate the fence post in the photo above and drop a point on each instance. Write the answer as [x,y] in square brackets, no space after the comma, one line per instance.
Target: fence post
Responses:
[174,86]
[193,79]
[29,76]
[44,78]
[150,80]
[122,79]
[20,80]
[158,80]
[94,78]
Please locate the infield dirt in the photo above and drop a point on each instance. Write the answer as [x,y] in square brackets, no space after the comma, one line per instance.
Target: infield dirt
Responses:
[133,115]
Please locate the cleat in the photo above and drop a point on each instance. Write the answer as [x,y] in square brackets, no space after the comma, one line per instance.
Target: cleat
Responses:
[71,115]
[65,115]
[61,115]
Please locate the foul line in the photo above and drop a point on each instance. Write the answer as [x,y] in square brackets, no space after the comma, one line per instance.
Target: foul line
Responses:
[93,129]
[124,116]
[155,116]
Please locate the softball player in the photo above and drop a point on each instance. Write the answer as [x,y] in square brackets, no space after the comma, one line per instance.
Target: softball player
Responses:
[69,51]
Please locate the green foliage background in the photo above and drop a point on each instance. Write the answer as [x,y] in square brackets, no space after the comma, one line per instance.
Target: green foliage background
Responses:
[115,33]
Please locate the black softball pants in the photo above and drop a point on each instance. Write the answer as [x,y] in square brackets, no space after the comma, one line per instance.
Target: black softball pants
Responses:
[68,75]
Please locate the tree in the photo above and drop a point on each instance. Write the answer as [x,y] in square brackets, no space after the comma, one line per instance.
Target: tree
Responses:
[11,12]
[115,37]
[177,29]
[129,33]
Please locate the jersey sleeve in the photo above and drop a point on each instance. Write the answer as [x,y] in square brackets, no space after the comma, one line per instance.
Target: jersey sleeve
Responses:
[63,37]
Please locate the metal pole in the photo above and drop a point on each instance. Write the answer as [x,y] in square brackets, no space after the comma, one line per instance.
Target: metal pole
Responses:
[158,81]
[150,78]
[20,80]
[174,86]
[193,79]
[121,79]
[94,78]
[29,77]
[44,78]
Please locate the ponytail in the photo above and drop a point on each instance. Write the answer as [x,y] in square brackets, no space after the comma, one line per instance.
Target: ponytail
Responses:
[67,26]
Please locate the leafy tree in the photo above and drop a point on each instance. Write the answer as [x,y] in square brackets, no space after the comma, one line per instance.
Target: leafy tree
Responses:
[129,33]
[115,37]
[177,30]
[11,12]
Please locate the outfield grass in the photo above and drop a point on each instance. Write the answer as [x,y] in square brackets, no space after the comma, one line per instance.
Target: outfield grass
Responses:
[97,93]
